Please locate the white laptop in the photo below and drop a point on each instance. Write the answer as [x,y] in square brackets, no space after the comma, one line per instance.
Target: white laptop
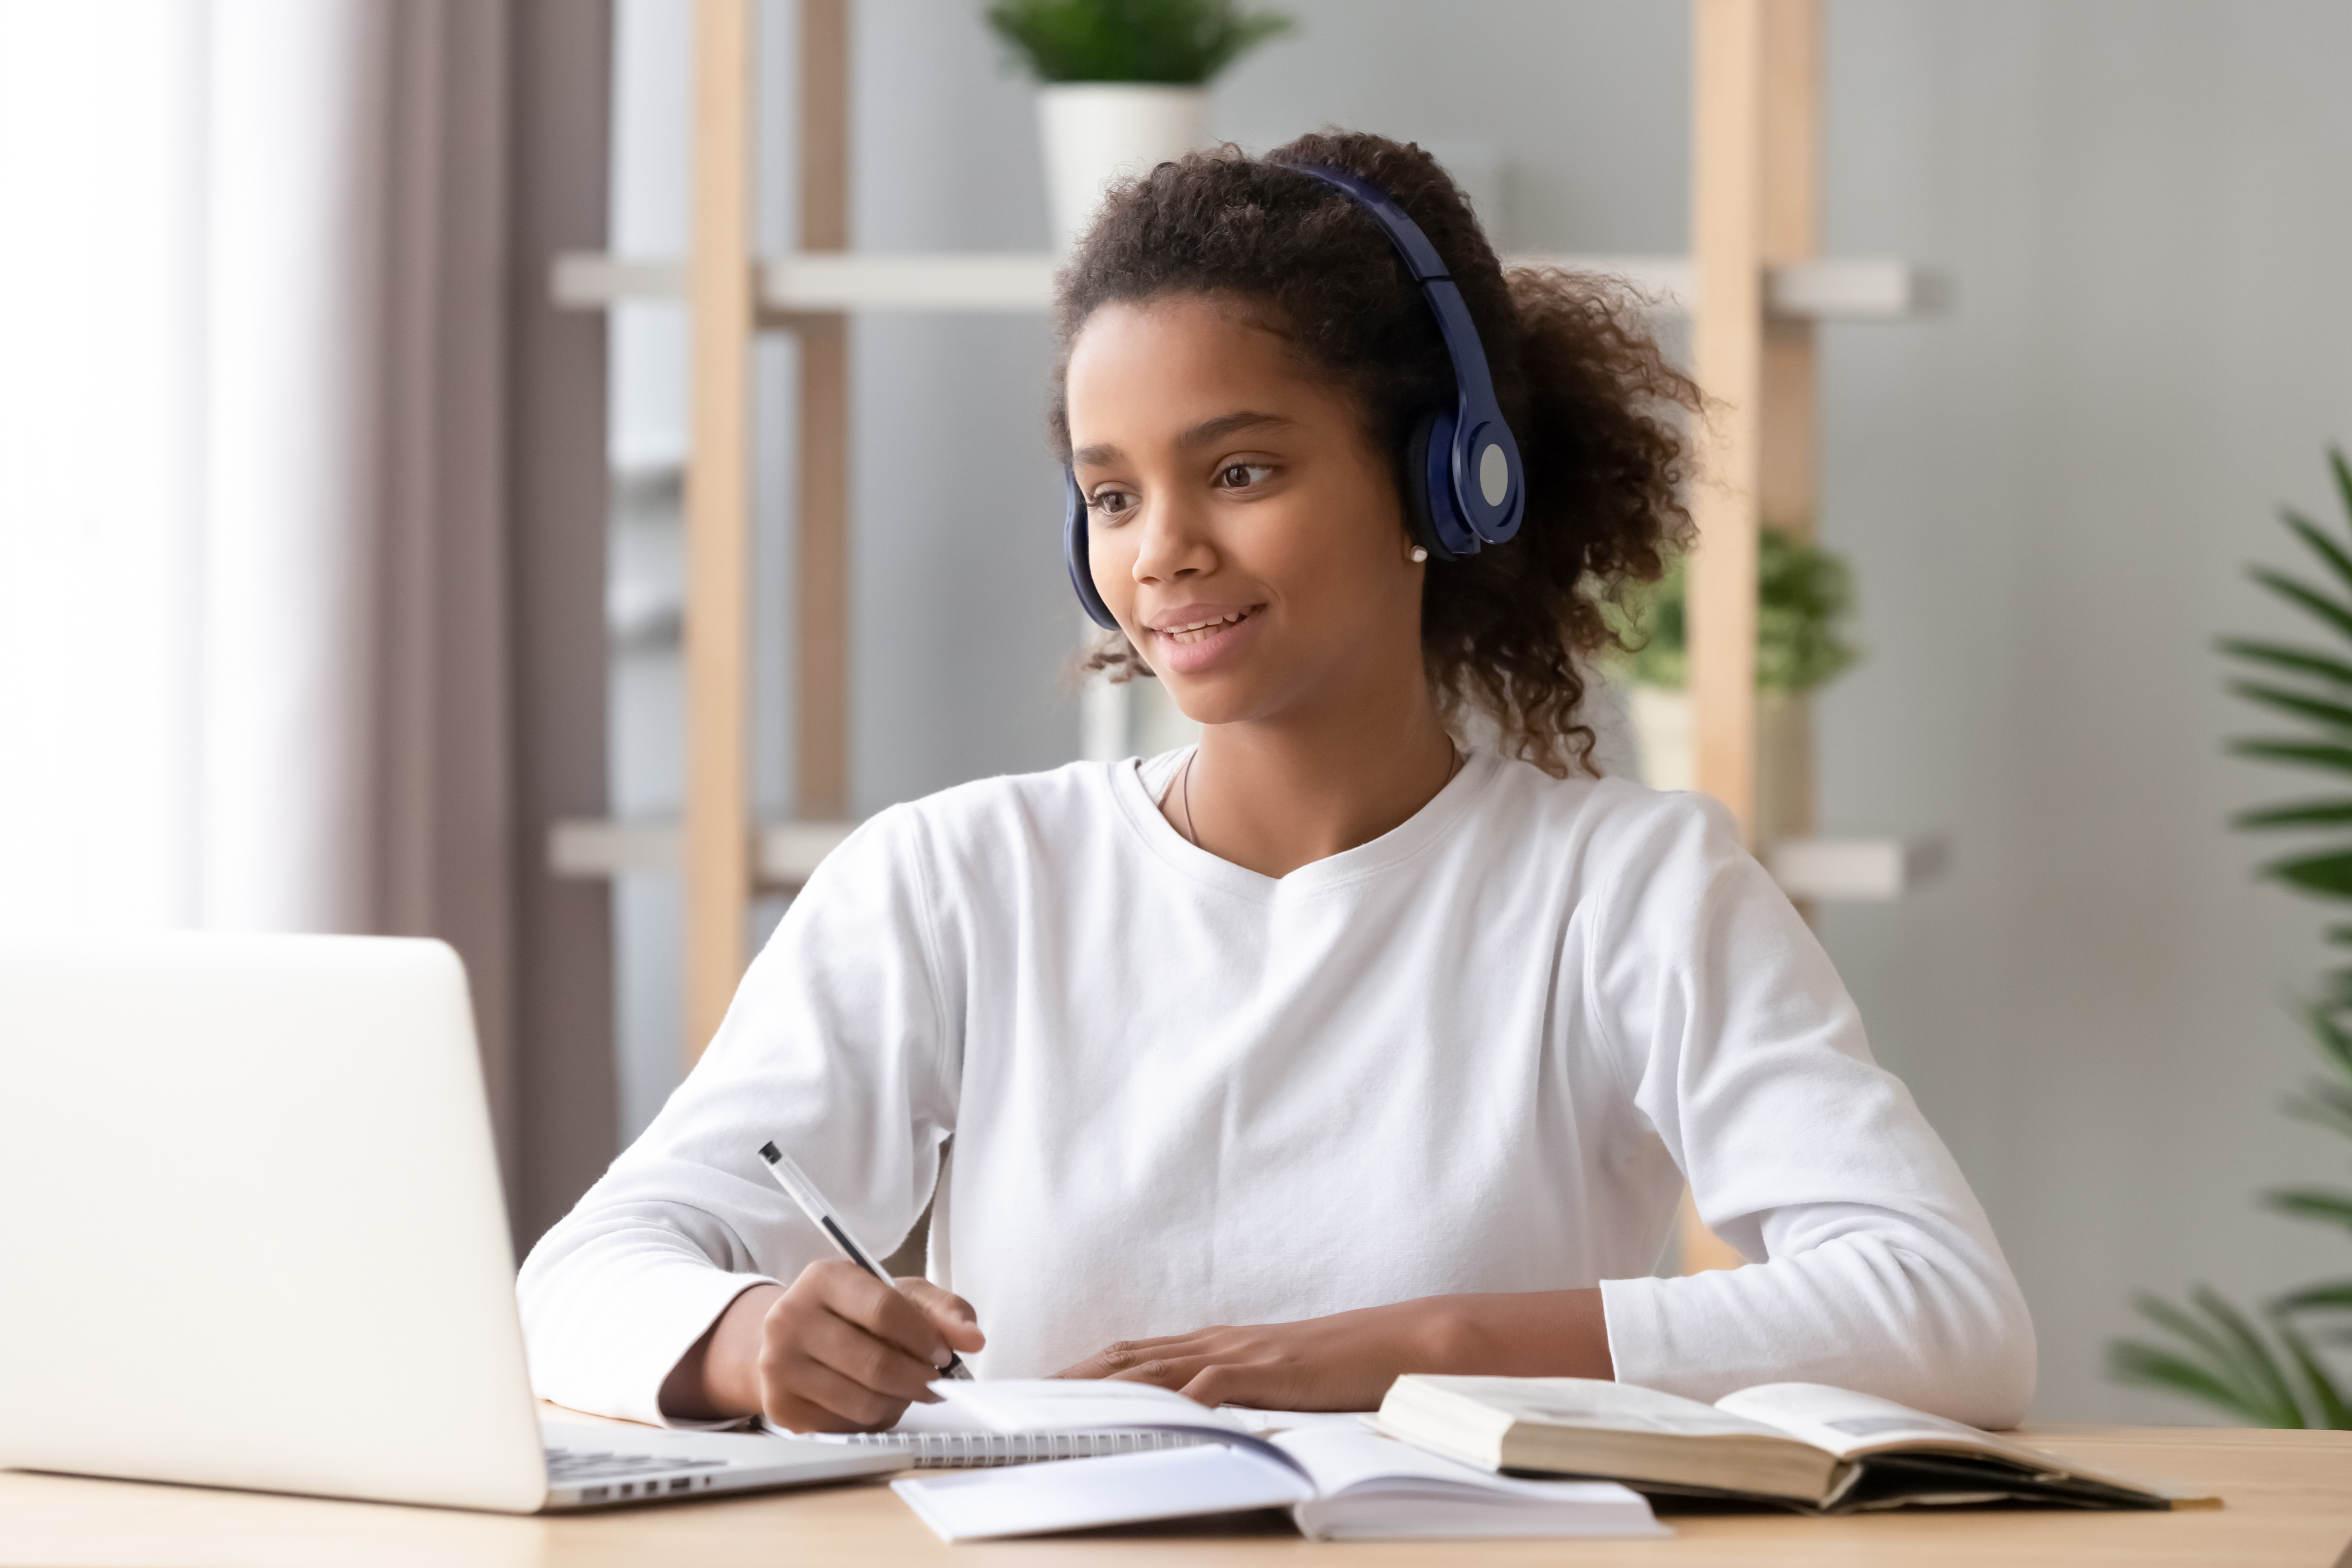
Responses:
[252,1235]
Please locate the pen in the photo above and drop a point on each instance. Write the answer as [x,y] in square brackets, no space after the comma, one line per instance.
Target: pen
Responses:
[796,1182]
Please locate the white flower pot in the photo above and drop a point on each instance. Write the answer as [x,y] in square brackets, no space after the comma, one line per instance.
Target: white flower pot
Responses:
[1098,131]
[1784,753]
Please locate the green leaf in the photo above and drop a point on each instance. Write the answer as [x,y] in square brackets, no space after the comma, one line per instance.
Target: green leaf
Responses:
[2251,1355]
[2326,1399]
[2329,875]
[2333,1296]
[2254,1385]
[1181,41]
[2295,703]
[2308,753]
[2332,1039]
[2302,661]
[2302,813]
[2309,599]
[2310,1203]
[2343,472]
[2128,1361]
[2321,545]
[2323,1105]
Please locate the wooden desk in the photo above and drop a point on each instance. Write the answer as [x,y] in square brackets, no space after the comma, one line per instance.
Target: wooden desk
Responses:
[2289,1494]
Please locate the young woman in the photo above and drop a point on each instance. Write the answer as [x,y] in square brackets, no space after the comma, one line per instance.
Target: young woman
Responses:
[1343,1045]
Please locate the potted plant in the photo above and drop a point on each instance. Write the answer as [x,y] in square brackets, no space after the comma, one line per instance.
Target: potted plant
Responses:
[2272,1367]
[1804,595]
[1123,85]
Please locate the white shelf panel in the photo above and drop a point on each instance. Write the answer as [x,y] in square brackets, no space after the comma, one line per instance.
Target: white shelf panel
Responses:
[788,852]
[1016,281]
[847,282]
[1865,869]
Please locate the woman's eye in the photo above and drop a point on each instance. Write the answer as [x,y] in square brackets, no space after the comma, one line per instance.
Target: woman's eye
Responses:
[1111,503]
[1240,476]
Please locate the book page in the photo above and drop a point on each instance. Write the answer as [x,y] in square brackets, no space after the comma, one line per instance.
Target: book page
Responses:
[1848,1423]
[1082,1494]
[1604,1406]
[1072,1405]
[1335,1460]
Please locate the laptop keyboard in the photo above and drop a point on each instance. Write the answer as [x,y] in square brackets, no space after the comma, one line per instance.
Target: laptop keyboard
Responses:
[569,1465]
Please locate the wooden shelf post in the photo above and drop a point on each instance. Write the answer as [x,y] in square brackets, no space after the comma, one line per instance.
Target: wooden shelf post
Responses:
[1755,201]
[1728,355]
[821,631]
[720,304]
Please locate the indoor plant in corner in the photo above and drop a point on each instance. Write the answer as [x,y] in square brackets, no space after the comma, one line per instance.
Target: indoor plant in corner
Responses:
[1123,84]
[2269,1368]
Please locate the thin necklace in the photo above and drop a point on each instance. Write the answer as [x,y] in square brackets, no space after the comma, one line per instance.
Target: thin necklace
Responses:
[1184,784]
[1191,837]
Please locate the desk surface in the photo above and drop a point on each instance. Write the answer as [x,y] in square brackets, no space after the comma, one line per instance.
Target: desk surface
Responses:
[2289,1499]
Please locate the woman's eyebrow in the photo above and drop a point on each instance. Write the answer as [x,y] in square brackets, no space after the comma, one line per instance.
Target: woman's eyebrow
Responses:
[1225,425]
[1103,454]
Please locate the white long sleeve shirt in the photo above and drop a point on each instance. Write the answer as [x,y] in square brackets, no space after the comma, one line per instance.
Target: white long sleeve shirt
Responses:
[1481,1052]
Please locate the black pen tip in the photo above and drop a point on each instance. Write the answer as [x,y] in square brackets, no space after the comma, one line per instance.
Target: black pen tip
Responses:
[769,1153]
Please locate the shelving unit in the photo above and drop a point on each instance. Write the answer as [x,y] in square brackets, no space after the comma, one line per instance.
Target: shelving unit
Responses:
[1754,287]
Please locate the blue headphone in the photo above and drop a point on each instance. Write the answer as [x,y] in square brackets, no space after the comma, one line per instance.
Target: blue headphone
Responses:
[1473,491]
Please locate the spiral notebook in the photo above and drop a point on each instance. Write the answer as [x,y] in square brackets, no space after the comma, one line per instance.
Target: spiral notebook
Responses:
[982,1450]
[944,1438]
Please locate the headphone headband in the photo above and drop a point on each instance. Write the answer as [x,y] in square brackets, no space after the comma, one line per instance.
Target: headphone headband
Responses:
[1473,490]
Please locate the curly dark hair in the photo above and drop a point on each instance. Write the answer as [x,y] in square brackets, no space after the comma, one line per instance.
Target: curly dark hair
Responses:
[1593,402]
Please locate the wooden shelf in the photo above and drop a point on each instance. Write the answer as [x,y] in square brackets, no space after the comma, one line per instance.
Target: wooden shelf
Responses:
[826,283]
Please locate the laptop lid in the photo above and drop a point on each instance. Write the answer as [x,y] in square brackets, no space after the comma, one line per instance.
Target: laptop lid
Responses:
[251,1220]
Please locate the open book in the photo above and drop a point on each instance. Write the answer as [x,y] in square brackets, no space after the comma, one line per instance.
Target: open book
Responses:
[1803,1445]
[1341,1483]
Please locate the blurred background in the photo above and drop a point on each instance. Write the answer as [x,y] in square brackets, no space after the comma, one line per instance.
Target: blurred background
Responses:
[341,562]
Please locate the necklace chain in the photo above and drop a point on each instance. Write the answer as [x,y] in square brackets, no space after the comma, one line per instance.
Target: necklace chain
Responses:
[1184,785]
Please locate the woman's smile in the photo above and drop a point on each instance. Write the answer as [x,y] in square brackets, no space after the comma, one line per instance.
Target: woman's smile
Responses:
[1190,638]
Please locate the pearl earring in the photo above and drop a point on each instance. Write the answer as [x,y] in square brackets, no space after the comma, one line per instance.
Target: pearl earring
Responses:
[1419,555]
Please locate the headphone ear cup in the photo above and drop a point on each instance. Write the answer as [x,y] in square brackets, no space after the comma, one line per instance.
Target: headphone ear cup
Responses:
[1417,497]
[1074,554]
[1450,533]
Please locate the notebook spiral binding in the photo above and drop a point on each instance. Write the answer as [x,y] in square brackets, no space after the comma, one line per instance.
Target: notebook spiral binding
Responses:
[986,1450]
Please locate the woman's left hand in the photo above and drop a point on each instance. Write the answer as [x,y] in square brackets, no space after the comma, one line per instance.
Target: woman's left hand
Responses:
[1346,1361]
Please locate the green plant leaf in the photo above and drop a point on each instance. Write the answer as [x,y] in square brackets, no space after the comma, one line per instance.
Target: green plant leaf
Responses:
[1182,42]
[2230,1367]
[2304,753]
[2279,656]
[2327,1401]
[2343,472]
[2323,1105]
[2294,702]
[2321,545]
[1804,597]
[2310,1203]
[2333,1296]
[2330,1038]
[2305,814]
[2251,1355]
[2254,1392]
[2329,875]
[2128,1361]
[2308,599]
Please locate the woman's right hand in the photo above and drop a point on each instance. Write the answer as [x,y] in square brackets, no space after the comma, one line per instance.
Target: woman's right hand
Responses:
[837,1352]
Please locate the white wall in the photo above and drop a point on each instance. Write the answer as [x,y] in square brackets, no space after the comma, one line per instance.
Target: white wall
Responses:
[2047,491]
